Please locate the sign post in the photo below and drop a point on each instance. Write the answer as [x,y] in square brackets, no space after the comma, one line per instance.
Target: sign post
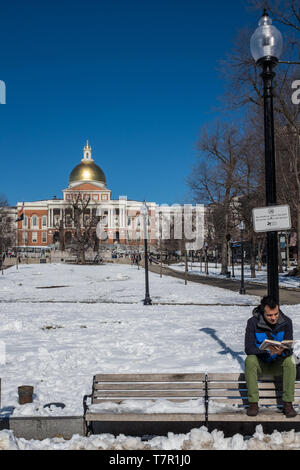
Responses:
[271,218]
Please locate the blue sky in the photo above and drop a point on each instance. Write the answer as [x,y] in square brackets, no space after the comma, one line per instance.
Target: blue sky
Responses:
[137,79]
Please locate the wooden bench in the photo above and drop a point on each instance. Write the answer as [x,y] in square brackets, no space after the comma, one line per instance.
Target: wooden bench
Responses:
[117,388]
[216,389]
[231,389]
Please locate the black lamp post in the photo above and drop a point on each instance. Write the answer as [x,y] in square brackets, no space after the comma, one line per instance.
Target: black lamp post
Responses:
[266,47]
[242,287]
[144,212]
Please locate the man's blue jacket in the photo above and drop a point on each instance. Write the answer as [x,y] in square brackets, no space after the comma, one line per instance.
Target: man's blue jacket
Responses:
[257,330]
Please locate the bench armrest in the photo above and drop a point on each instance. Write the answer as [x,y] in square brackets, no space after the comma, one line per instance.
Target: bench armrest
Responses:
[85,406]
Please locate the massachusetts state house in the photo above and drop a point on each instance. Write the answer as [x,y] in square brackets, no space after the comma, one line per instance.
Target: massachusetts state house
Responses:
[121,220]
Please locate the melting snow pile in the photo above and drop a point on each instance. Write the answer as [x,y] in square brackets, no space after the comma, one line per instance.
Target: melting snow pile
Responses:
[196,439]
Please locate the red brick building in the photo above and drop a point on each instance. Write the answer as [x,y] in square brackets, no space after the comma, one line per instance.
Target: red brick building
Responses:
[122,222]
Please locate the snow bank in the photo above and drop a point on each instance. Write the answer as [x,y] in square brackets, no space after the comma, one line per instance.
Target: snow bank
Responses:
[196,439]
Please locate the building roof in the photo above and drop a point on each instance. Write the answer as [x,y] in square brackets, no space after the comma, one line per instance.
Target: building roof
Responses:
[87,170]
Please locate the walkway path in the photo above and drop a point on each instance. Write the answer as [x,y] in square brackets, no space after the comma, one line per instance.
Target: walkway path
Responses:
[288,295]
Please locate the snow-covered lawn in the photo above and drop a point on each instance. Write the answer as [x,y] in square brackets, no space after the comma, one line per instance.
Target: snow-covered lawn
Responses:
[61,324]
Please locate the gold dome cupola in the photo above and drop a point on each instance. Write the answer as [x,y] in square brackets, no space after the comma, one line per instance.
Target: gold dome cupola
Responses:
[87,170]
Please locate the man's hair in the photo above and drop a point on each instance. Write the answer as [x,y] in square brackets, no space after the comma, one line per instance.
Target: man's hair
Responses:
[269,301]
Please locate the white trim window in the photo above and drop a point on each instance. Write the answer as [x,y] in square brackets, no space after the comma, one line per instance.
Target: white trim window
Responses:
[44,237]
[34,221]
[34,237]
[44,221]
[25,221]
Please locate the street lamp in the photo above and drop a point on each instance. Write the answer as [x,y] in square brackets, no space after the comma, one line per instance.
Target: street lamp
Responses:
[144,212]
[242,287]
[266,48]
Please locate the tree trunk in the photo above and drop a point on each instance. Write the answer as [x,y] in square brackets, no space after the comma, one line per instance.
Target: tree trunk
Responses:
[81,255]
[224,257]
[260,250]
[186,267]
[61,236]
[160,272]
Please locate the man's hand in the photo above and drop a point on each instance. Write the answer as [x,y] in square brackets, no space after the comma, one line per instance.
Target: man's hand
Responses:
[275,349]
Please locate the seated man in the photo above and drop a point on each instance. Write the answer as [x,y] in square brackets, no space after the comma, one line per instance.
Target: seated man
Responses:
[268,322]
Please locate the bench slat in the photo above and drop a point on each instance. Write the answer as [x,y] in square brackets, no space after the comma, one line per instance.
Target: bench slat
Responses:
[227,393]
[231,393]
[240,401]
[243,386]
[154,394]
[226,377]
[150,386]
[190,377]
[244,401]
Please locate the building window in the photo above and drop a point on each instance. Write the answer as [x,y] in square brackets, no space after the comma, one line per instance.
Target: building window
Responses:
[44,221]
[34,237]
[68,220]
[44,237]
[34,221]
[104,197]
[25,238]
[25,221]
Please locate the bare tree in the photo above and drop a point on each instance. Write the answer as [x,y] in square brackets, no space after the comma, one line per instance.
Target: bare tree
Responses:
[245,88]
[84,221]
[7,228]
[215,176]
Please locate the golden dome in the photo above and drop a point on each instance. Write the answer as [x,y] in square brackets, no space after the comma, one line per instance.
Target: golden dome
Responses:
[87,171]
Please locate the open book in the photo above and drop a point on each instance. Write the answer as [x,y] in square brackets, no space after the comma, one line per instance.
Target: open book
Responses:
[286,344]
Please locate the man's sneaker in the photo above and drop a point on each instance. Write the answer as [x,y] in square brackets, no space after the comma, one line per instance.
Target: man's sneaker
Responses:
[288,410]
[253,409]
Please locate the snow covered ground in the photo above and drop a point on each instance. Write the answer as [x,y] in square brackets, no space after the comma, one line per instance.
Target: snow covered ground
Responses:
[61,324]
[261,276]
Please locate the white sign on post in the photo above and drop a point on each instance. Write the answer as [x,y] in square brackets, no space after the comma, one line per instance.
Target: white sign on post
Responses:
[271,218]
